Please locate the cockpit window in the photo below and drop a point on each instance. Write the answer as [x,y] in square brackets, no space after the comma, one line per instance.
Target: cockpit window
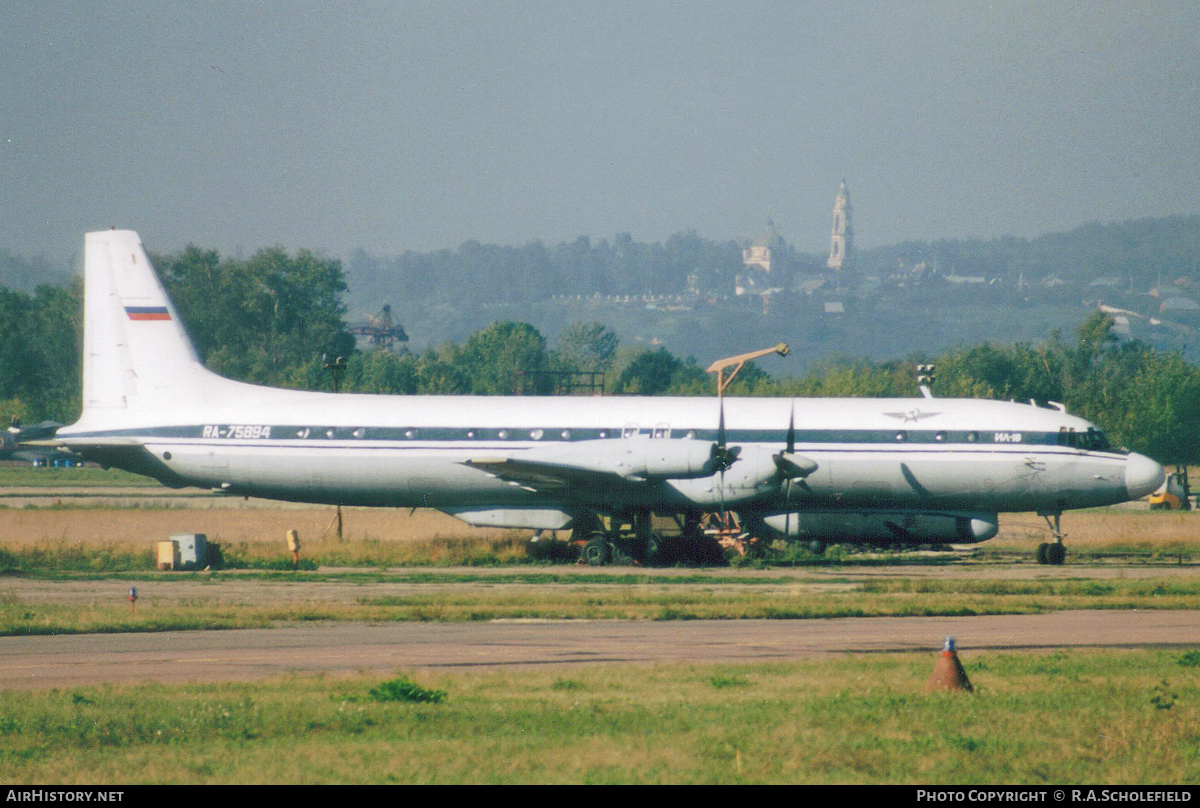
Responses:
[1093,440]
[1096,440]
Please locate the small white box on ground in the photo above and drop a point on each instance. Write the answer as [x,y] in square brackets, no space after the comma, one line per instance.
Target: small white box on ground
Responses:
[193,550]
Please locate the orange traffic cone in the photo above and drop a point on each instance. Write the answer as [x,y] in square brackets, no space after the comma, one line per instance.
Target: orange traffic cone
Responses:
[948,673]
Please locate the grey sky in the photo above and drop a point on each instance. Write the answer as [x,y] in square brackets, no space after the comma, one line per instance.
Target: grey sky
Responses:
[418,125]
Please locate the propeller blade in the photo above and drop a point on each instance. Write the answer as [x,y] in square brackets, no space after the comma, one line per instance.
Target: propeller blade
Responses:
[787,518]
[789,450]
[724,457]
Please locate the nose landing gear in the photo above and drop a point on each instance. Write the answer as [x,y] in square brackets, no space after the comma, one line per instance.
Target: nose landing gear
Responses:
[1052,552]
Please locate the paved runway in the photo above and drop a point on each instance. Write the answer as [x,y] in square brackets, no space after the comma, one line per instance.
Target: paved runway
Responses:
[67,661]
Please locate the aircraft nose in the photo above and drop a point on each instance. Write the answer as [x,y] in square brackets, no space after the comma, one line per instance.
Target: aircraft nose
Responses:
[1142,476]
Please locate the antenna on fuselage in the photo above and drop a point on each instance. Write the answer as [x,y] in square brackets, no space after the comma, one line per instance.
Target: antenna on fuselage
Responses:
[926,375]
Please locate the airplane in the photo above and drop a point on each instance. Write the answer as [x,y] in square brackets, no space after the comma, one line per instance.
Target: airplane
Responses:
[20,443]
[874,471]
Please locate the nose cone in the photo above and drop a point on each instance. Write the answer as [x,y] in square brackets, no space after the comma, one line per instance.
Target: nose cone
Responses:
[1142,476]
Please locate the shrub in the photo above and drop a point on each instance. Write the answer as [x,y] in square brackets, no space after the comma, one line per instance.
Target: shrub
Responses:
[402,689]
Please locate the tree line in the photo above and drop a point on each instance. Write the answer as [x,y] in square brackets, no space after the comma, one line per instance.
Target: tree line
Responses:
[277,318]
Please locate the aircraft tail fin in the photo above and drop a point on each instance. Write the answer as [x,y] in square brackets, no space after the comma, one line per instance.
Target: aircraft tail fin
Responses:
[136,352]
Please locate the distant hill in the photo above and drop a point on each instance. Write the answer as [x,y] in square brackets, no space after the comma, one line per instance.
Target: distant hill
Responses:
[1141,253]
[897,302]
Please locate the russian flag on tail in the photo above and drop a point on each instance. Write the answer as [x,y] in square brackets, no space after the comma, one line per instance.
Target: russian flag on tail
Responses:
[148,312]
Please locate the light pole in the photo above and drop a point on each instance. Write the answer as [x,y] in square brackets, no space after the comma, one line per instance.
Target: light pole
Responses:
[337,367]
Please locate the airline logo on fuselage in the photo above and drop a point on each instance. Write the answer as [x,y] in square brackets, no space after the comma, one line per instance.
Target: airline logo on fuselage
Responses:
[912,415]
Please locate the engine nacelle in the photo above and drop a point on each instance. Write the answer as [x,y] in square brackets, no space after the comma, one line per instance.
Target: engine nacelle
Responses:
[885,527]
[674,459]
[752,476]
[637,458]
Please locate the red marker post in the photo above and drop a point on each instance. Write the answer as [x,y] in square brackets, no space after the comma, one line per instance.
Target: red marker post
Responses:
[132,598]
[948,673]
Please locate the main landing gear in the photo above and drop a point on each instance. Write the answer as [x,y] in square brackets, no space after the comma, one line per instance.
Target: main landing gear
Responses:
[1052,552]
[601,549]
[621,547]
[630,540]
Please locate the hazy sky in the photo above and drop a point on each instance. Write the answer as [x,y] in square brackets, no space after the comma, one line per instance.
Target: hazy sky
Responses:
[419,125]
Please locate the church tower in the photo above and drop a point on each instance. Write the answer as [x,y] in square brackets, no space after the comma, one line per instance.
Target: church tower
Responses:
[764,249]
[842,242]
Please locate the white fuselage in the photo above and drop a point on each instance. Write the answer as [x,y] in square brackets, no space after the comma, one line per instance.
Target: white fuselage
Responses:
[410,450]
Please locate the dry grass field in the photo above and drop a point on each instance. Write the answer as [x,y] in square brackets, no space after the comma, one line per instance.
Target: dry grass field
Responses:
[1108,529]
[258,524]
[85,516]
[1092,530]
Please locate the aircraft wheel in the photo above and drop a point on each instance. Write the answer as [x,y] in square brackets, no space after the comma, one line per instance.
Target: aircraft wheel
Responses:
[816,547]
[1056,553]
[596,552]
[622,553]
[1042,553]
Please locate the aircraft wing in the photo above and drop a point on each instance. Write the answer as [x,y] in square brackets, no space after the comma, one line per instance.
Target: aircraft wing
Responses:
[542,475]
[606,463]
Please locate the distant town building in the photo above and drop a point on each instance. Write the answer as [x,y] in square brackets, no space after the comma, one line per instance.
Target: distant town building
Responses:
[764,249]
[842,242]
[1178,305]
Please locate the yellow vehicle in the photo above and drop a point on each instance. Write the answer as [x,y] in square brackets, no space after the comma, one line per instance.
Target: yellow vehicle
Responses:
[1175,494]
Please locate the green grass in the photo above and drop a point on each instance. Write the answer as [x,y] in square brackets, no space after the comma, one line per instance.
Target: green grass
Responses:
[83,477]
[1094,717]
[491,597]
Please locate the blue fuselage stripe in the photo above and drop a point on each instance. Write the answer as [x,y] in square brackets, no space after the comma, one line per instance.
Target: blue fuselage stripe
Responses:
[292,435]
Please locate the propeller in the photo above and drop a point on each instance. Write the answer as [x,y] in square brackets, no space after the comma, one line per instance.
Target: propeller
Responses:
[788,464]
[789,449]
[725,456]
[722,454]
[791,466]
